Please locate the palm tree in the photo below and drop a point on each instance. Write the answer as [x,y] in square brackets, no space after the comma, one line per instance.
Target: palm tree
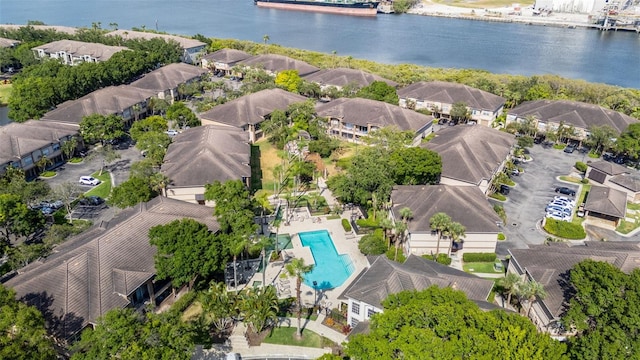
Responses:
[456,232]
[69,147]
[265,39]
[159,183]
[218,306]
[386,224]
[297,269]
[406,215]
[530,290]
[43,162]
[236,248]
[510,284]
[439,222]
[260,307]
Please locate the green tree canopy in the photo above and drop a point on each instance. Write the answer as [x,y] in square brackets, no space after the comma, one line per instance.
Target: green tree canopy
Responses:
[179,113]
[186,249]
[17,220]
[629,141]
[605,311]
[442,324]
[381,91]
[22,329]
[131,192]
[153,123]
[459,111]
[289,80]
[101,128]
[416,166]
[127,334]
[234,207]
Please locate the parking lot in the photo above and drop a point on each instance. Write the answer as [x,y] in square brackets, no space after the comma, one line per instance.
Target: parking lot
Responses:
[527,200]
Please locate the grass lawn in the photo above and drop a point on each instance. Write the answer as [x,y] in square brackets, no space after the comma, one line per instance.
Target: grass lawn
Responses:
[632,206]
[626,227]
[559,146]
[480,267]
[104,189]
[5,91]
[286,336]
[570,179]
[192,312]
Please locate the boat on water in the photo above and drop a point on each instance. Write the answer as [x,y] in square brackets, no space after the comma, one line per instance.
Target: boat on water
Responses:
[345,7]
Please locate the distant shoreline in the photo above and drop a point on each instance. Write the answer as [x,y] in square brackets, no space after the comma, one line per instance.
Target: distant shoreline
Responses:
[506,15]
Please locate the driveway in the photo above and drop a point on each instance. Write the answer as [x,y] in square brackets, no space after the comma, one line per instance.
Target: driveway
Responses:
[528,199]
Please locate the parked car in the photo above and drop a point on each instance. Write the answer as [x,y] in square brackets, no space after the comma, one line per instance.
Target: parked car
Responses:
[57,204]
[557,209]
[565,190]
[91,201]
[47,210]
[564,198]
[580,212]
[504,189]
[558,216]
[515,172]
[562,205]
[171,133]
[89,180]
[570,149]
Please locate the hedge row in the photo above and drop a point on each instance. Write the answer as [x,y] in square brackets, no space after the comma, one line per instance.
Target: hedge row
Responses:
[441,259]
[184,301]
[479,257]
[564,229]
[345,225]
[580,166]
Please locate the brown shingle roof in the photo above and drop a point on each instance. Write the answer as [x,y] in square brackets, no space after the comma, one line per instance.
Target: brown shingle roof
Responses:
[98,51]
[169,77]
[576,113]
[204,154]
[227,56]
[365,112]
[627,181]
[385,277]
[17,140]
[608,201]
[450,93]
[276,63]
[550,265]
[608,167]
[252,108]
[93,272]
[471,153]
[184,42]
[342,77]
[106,101]
[464,204]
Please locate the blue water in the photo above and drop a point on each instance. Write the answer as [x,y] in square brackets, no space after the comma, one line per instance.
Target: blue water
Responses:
[332,269]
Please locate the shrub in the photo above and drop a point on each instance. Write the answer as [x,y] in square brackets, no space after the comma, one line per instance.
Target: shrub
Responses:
[580,166]
[564,229]
[499,209]
[183,303]
[372,244]
[368,223]
[498,196]
[501,236]
[391,253]
[345,225]
[584,181]
[329,322]
[479,257]
[443,259]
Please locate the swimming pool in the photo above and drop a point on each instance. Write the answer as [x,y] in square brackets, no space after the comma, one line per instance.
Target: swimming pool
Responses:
[331,269]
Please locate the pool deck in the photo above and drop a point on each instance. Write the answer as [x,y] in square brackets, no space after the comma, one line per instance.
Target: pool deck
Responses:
[343,244]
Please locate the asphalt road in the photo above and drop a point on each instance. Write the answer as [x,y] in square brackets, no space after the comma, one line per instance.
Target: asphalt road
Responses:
[528,199]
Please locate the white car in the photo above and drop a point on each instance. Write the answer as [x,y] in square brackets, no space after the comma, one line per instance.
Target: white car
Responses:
[171,133]
[560,203]
[564,198]
[89,180]
[557,215]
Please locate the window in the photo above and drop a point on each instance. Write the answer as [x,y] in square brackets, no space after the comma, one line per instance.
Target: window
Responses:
[56,146]
[355,308]
[370,313]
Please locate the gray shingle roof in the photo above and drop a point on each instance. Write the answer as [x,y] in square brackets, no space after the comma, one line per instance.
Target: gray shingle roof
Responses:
[93,272]
[608,167]
[342,77]
[471,153]
[204,154]
[98,51]
[608,201]
[385,277]
[550,264]
[252,108]
[276,63]
[456,201]
[227,56]
[17,140]
[184,42]
[576,113]
[8,42]
[365,112]
[169,77]
[106,101]
[627,181]
[450,93]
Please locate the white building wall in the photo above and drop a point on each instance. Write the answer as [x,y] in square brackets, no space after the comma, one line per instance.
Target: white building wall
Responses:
[426,243]
[359,311]
[187,194]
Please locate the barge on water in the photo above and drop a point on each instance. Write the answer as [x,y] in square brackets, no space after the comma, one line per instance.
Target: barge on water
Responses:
[345,7]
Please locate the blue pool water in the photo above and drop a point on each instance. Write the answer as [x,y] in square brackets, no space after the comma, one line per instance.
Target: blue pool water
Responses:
[331,269]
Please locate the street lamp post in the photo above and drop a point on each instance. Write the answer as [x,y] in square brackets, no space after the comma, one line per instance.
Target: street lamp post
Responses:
[315,293]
